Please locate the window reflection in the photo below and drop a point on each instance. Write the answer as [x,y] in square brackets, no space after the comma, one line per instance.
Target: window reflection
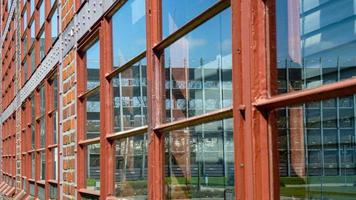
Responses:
[131,167]
[315,46]
[42,133]
[93,167]
[42,45]
[198,70]
[32,7]
[24,20]
[42,13]
[25,45]
[53,191]
[33,167]
[199,162]
[25,68]
[55,162]
[42,156]
[130,97]
[317,152]
[32,189]
[128,31]
[93,116]
[93,65]
[54,26]
[176,13]
[33,61]
[33,32]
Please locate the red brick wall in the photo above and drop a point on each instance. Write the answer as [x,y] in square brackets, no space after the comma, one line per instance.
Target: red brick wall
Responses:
[69,126]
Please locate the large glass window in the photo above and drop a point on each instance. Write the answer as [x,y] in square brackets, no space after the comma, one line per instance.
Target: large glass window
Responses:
[198,70]
[317,152]
[90,103]
[130,97]
[200,162]
[315,46]
[128,31]
[177,13]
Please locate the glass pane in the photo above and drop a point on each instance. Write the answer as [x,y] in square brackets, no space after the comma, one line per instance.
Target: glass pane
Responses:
[33,165]
[42,45]
[42,133]
[176,13]
[317,152]
[41,193]
[42,13]
[130,97]
[52,2]
[315,43]
[25,68]
[55,158]
[32,189]
[54,26]
[55,126]
[53,191]
[93,65]
[33,136]
[24,20]
[55,92]
[42,101]
[33,61]
[25,45]
[93,116]
[198,77]
[33,33]
[199,162]
[131,167]
[32,6]
[128,31]
[93,167]
[42,165]
[24,184]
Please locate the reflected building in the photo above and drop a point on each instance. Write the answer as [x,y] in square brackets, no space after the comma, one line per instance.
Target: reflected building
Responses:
[316,46]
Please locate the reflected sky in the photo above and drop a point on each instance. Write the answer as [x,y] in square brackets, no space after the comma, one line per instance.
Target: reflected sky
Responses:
[176,13]
[315,29]
[128,31]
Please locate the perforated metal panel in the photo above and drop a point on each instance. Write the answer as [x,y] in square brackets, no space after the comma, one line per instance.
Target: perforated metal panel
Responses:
[90,13]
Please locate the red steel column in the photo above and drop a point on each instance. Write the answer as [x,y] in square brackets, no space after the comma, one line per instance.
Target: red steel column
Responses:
[250,82]
[155,75]
[107,175]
